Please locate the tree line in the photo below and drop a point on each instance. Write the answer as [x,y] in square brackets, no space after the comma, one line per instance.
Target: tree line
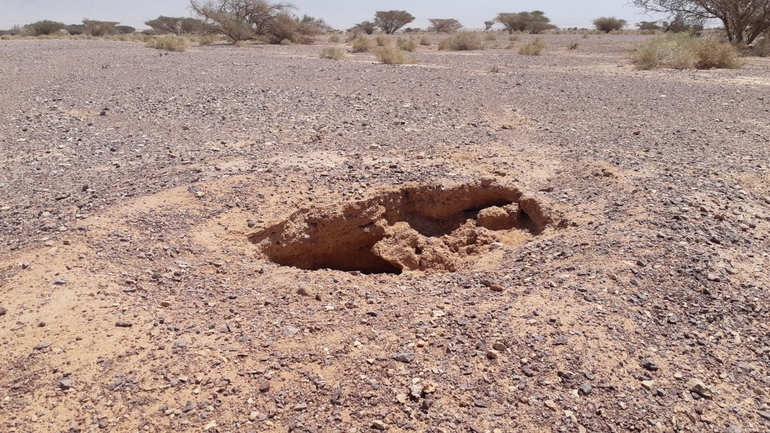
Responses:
[239,20]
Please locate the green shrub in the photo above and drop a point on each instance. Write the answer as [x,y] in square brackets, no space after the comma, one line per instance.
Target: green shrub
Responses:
[393,56]
[683,51]
[407,44]
[168,43]
[332,53]
[463,41]
[533,48]
[362,44]
[45,27]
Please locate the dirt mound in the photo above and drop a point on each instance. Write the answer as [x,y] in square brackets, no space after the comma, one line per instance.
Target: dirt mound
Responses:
[425,228]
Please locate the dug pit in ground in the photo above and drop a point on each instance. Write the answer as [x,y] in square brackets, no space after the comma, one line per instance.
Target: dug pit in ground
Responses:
[417,228]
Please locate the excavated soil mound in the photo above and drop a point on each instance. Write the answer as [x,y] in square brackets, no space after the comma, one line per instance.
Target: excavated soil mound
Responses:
[421,228]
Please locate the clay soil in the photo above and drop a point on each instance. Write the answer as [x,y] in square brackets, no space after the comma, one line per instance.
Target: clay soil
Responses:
[257,239]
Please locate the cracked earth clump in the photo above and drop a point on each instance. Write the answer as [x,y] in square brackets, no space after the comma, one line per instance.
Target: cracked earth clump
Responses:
[418,228]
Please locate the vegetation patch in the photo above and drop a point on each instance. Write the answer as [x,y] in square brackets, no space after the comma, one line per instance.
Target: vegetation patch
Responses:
[683,51]
[463,41]
[332,53]
[168,43]
[533,48]
[394,56]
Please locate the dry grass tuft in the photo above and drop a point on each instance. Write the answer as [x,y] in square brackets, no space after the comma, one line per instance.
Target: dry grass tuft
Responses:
[463,41]
[683,51]
[425,40]
[334,39]
[168,43]
[332,53]
[407,44]
[362,44]
[394,56]
[533,48]
[382,41]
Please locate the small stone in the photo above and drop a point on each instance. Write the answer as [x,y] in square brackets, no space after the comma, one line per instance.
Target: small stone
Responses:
[253,416]
[123,324]
[492,354]
[648,364]
[496,288]
[585,389]
[188,407]
[641,263]
[405,357]
[102,423]
[672,319]
[251,223]
[65,384]
[551,405]
[42,346]
[264,386]
[733,429]
[165,303]
[713,276]
[210,426]
[401,398]
[300,407]
[648,384]
[3,311]
[379,425]
[302,290]
[415,391]
[59,282]
[764,414]
[698,387]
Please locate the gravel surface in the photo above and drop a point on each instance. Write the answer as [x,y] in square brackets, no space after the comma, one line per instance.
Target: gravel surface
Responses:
[601,235]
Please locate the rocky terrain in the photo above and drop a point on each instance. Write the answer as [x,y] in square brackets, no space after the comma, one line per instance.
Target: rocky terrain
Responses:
[257,239]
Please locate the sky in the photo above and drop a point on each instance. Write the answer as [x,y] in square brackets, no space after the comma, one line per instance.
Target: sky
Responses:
[340,14]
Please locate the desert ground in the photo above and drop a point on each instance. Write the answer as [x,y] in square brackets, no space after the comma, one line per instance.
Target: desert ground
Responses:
[255,239]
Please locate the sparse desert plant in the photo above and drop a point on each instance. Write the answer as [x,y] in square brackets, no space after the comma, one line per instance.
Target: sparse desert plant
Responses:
[285,42]
[334,39]
[181,26]
[394,56]
[648,26]
[382,41]
[608,24]
[44,27]
[444,25]
[683,51]
[425,40]
[332,53]
[573,46]
[206,40]
[760,48]
[490,36]
[533,48]
[391,21]
[367,27]
[362,44]
[409,45]
[489,24]
[462,41]
[514,38]
[168,43]
[285,27]
[100,28]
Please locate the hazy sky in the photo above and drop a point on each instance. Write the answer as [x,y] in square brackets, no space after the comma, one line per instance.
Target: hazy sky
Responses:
[340,14]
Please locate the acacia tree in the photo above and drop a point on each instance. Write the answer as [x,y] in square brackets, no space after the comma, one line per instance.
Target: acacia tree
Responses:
[534,22]
[743,20]
[608,24]
[447,25]
[240,20]
[367,27]
[100,28]
[180,26]
[390,21]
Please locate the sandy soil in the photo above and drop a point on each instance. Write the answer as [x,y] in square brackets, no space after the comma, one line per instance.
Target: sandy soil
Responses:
[256,239]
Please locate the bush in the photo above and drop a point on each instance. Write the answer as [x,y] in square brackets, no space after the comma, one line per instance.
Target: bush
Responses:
[393,56]
[407,44]
[181,26]
[334,39]
[76,29]
[425,40]
[682,51]
[100,28]
[761,47]
[608,24]
[534,22]
[367,27]
[362,44]
[125,30]
[573,46]
[463,41]
[168,43]
[648,26]
[449,25]
[206,40]
[382,41]
[534,48]
[45,27]
[332,53]
[287,28]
